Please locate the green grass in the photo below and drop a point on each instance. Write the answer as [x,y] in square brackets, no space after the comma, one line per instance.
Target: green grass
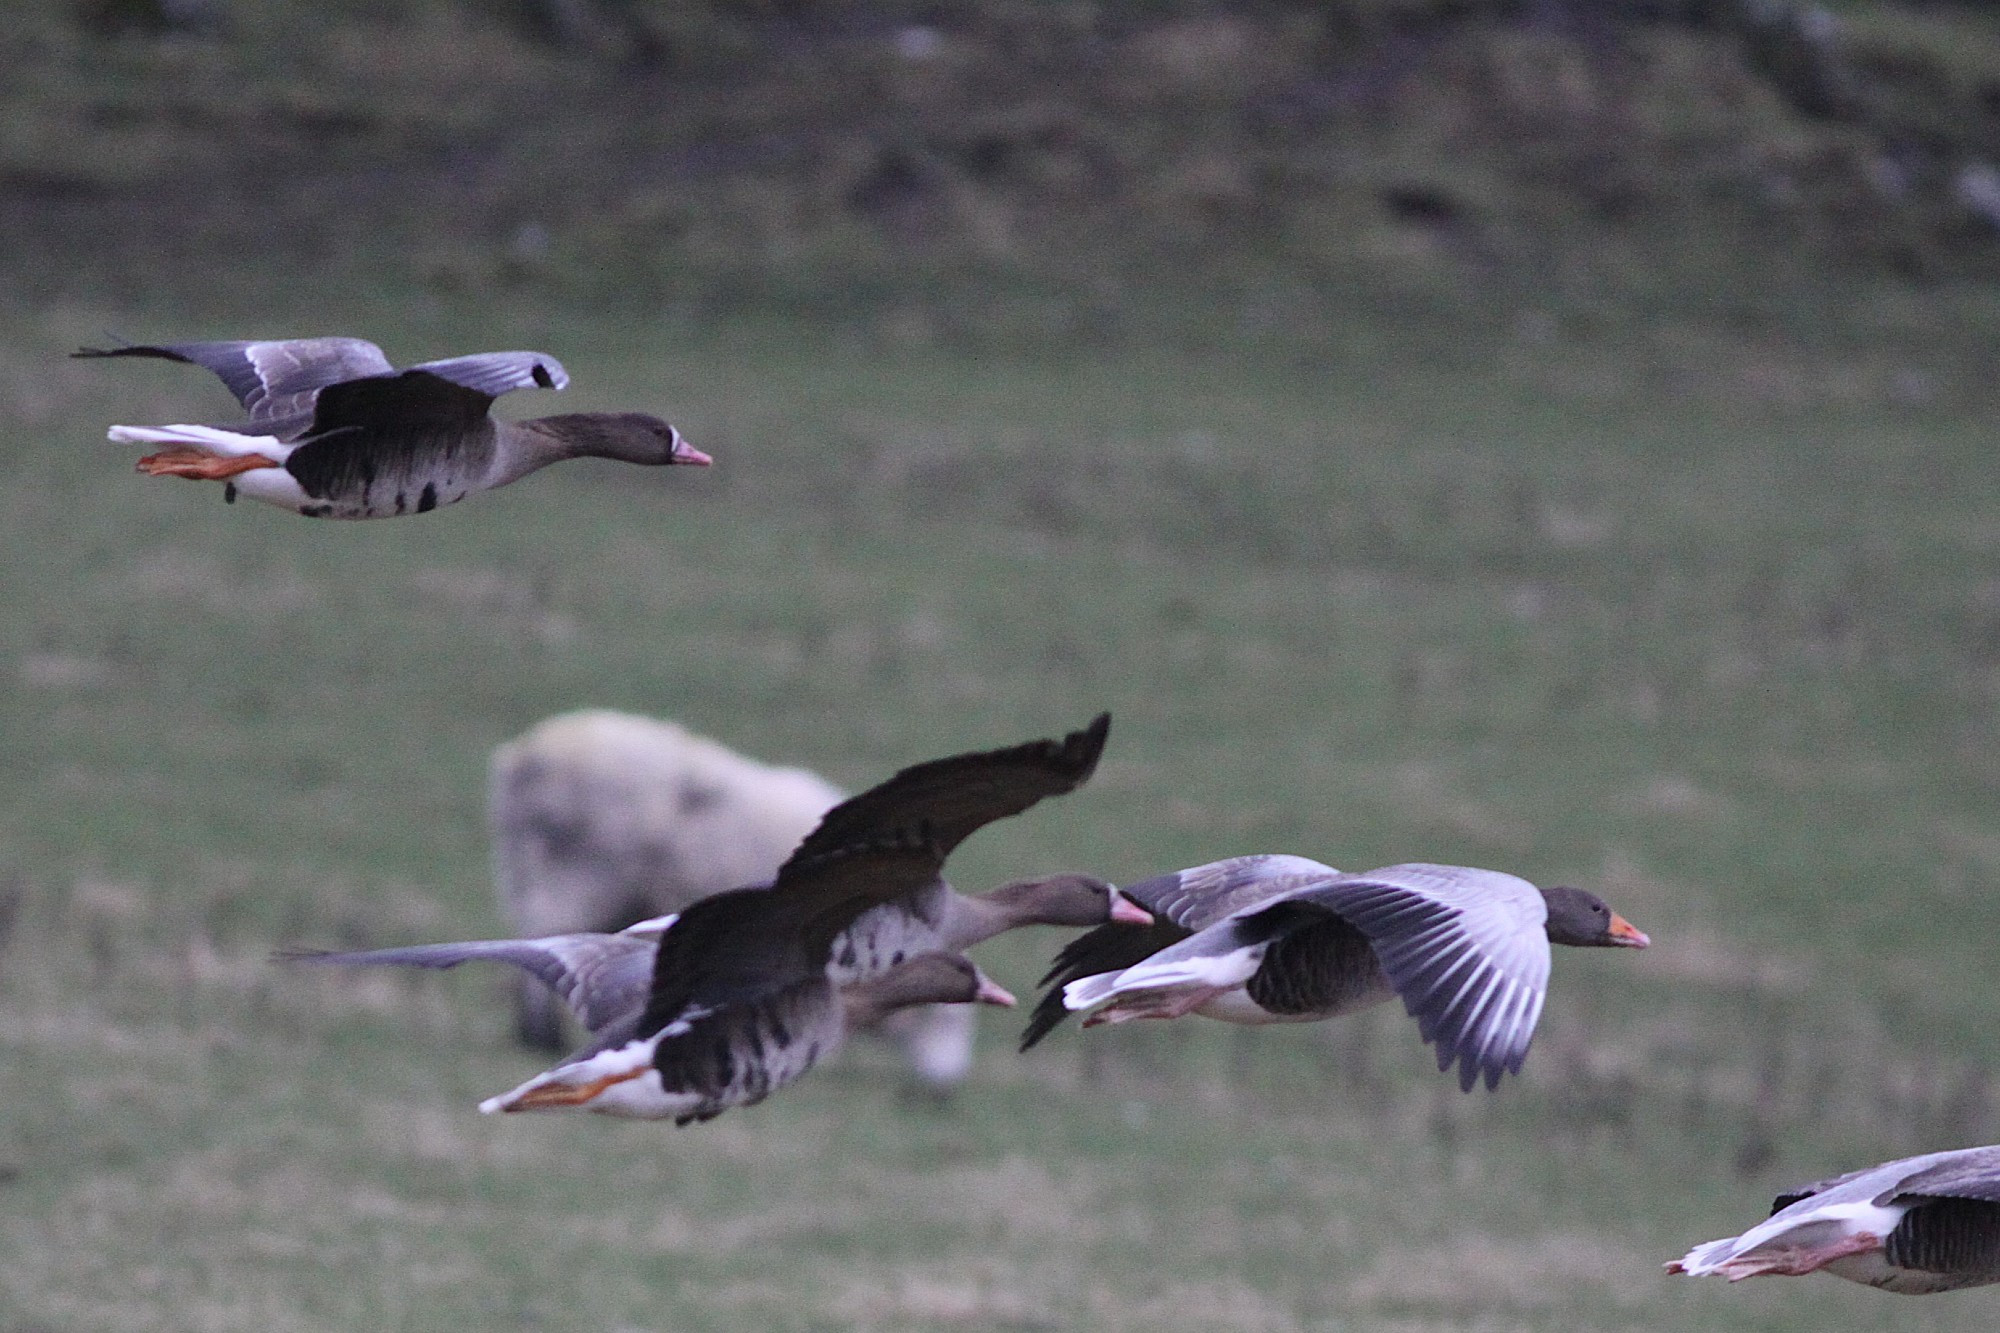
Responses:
[1729,657]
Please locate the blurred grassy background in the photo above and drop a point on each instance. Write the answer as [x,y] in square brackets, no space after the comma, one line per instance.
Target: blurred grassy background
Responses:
[1545,436]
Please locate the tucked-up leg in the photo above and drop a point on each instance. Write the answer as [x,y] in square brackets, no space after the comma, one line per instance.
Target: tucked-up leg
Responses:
[557,1095]
[198,465]
[1776,1259]
[1154,1004]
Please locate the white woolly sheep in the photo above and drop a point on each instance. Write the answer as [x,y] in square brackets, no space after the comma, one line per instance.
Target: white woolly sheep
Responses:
[600,819]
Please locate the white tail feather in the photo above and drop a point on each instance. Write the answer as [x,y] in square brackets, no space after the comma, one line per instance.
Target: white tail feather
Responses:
[208,439]
[1705,1259]
[1089,992]
[1218,971]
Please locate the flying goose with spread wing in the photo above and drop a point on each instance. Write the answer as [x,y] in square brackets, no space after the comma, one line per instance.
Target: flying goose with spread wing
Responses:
[605,978]
[1282,939]
[742,992]
[1913,1226]
[335,431]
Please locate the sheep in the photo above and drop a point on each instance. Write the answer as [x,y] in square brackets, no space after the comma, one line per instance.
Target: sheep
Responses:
[601,818]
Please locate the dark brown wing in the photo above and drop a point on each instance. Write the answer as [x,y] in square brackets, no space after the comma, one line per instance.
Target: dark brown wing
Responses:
[950,799]
[276,378]
[1108,948]
[404,426]
[888,843]
[739,947]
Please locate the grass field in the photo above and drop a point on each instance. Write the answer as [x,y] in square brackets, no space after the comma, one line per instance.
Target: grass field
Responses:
[1728,654]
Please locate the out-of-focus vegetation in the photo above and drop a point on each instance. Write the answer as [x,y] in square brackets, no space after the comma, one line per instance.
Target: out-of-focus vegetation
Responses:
[1309,176]
[1550,436]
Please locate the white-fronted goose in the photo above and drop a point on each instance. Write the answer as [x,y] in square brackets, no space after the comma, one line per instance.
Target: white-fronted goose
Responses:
[1914,1226]
[335,431]
[1282,939]
[604,978]
[741,998]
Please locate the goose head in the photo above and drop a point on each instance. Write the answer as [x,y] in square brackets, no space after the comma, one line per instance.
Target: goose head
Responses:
[931,978]
[629,437]
[1066,900]
[1579,917]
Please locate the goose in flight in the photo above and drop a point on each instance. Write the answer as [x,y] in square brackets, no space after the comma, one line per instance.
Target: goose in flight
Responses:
[605,978]
[1282,939]
[335,431]
[1913,1226]
[742,992]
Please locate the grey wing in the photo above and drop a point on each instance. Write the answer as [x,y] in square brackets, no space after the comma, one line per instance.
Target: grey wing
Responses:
[1197,898]
[602,978]
[1792,1196]
[495,373]
[1466,949]
[1972,1174]
[274,379]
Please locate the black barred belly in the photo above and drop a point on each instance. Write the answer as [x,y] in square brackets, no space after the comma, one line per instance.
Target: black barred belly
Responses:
[1318,971]
[1958,1240]
[739,1056]
[376,477]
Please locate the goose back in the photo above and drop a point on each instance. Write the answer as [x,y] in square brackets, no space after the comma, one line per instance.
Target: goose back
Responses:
[1952,1228]
[371,453]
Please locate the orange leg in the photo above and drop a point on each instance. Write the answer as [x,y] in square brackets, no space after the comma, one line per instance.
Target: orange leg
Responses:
[570,1094]
[182,461]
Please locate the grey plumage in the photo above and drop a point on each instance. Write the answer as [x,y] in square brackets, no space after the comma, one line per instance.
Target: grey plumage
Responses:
[335,431]
[1276,939]
[740,999]
[1914,1226]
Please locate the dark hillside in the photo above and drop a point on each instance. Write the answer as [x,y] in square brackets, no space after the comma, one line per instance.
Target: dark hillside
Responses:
[1033,173]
